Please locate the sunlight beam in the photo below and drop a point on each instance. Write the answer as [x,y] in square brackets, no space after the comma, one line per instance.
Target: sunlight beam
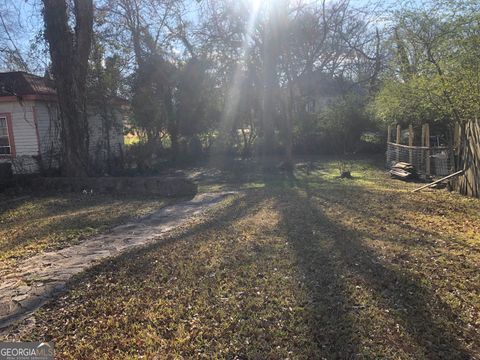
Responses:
[233,93]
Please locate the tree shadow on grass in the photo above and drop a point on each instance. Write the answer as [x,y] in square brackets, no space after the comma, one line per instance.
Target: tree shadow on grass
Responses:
[327,254]
[338,250]
[217,219]
[136,266]
[67,219]
[390,208]
[330,318]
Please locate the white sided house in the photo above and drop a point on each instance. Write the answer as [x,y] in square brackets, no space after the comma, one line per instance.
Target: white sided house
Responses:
[29,126]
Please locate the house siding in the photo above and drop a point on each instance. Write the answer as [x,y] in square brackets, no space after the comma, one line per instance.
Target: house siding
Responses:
[49,132]
[36,132]
[25,136]
[98,138]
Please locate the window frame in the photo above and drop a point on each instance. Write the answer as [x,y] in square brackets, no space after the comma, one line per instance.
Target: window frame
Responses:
[11,139]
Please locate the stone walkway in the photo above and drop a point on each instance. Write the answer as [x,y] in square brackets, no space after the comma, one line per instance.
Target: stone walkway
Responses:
[44,276]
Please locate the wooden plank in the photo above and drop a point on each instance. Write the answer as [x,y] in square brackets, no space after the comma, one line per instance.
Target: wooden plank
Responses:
[419,147]
[400,174]
[403,165]
[439,180]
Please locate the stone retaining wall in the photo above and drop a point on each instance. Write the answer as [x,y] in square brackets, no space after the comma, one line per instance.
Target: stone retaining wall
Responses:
[162,186]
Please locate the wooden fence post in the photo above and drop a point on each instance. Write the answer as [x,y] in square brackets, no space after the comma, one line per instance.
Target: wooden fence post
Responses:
[456,139]
[427,144]
[389,139]
[423,144]
[399,133]
[410,143]
[455,152]
[469,159]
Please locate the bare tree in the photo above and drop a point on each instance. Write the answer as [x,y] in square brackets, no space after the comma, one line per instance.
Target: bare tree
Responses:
[10,53]
[69,51]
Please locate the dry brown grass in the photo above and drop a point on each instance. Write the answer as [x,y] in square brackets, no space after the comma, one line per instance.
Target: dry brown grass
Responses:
[38,223]
[309,267]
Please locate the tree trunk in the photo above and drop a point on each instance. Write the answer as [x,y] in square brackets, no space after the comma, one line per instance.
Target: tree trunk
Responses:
[270,64]
[469,160]
[268,104]
[288,130]
[69,52]
[173,125]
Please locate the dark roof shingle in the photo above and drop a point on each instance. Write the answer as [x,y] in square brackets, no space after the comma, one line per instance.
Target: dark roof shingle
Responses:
[19,83]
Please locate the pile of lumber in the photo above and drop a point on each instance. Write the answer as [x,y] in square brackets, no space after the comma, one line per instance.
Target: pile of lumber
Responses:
[403,171]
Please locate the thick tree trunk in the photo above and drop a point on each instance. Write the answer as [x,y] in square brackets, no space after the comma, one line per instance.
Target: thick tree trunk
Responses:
[469,160]
[289,115]
[270,74]
[69,52]
[270,85]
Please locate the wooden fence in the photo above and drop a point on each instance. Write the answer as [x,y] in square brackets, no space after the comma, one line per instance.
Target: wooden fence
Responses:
[467,158]
[428,160]
[463,154]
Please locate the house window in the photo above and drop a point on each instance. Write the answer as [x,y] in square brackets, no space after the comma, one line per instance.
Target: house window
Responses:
[5,147]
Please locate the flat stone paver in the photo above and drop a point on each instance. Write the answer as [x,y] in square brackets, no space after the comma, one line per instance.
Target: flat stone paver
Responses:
[44,276]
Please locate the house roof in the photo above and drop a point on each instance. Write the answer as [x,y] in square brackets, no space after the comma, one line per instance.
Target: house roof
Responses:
[318,83]
[20,83]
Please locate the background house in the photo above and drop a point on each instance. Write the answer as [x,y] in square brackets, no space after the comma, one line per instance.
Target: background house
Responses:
[316,90]
[29,126]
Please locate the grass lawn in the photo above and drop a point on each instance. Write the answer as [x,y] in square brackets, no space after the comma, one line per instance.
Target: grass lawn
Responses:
[38,223]
[309,267]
